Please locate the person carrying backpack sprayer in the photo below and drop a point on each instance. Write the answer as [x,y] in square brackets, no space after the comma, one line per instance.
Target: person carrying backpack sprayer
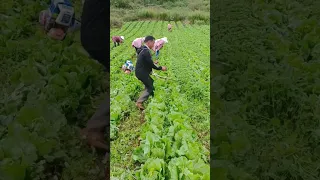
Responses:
[144,67]
[158,45]
[117,40]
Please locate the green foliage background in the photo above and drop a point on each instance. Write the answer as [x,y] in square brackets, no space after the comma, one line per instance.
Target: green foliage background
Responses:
[165,10]
[265,109]
[48,91]
[266,96]
[173,142]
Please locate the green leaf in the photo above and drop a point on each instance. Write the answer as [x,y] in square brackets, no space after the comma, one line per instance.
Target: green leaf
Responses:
[158,153]
[13,171]
[58,80]
[219,173]
[28,114]
[29,75]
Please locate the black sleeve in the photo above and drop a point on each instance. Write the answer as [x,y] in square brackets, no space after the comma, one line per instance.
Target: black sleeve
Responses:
[149,62]
[95,25]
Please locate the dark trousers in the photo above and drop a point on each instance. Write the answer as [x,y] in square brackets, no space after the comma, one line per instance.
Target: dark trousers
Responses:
[116,43]
[148,89]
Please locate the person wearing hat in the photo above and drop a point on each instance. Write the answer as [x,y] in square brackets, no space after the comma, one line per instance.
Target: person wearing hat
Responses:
[169,27]
[128,67]
[158,45]
[117,40]
[137,43]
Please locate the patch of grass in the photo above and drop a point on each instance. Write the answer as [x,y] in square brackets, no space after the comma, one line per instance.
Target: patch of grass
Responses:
[116,22]
[176,14]
[171,10]
[123,146]
[198,16]
[265,103]
[51,113]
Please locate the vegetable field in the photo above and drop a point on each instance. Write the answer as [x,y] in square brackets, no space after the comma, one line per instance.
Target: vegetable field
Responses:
[48,92]
[266,95]
[173,143]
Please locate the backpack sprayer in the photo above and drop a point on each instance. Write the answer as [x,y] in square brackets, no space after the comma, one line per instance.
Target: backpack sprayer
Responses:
[59,19]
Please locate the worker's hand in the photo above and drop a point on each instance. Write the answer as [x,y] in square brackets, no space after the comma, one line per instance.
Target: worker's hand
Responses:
[164,68]
[156,62]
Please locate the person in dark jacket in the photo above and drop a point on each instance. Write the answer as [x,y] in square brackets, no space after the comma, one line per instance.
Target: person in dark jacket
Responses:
[144,67]
[95,41]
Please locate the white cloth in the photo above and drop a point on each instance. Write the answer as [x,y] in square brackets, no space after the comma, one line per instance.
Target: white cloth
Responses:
[165,39]
[128,65]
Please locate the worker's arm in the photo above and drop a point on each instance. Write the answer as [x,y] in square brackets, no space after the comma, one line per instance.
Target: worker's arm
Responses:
[95,25]
[149,62]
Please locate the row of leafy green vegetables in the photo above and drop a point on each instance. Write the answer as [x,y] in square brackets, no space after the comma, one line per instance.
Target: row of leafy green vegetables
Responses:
[171,139]
[168,134]
[169,146]
[159,163]
[45,90]
[191,64]
[124,88]
[124,85]
[293,31]
[130,32]
[128,29]
[283,70]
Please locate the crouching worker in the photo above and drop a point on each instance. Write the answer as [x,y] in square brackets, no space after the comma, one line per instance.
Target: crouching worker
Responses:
[137,44]
[158,45]
[128,67]
[169,27]
[117,40]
